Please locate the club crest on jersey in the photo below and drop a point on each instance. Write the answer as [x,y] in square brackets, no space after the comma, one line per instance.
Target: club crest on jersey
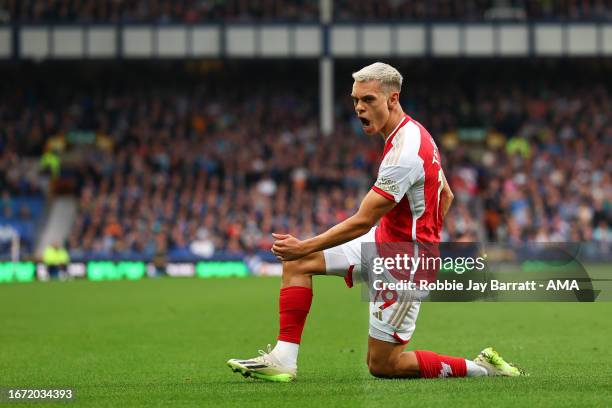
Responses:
[388,185]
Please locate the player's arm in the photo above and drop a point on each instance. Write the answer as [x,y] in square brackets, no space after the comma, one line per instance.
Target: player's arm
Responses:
[446,197]
[372,208]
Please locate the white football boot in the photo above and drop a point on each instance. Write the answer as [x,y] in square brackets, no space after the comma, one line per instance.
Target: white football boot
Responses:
[266,367]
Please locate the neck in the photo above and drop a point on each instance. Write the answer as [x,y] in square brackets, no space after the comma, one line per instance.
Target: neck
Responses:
[395,118]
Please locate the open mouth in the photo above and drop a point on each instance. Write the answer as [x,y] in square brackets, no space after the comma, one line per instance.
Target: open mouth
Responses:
[364,121]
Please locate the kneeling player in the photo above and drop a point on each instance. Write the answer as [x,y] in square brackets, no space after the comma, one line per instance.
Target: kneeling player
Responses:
[410,198]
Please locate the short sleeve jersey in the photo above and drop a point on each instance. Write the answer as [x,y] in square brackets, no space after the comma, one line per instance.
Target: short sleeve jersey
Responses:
[411,175]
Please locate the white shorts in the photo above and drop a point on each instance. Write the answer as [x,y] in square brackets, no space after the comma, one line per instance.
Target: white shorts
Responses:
[393,324]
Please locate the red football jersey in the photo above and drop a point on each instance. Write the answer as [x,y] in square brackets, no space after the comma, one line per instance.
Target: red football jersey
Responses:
[411,175]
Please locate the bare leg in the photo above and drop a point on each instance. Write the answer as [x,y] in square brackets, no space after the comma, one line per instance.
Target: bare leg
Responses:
[300,271]
[389,360]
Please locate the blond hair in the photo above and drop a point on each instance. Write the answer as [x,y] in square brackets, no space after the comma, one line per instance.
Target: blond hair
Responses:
[389,77]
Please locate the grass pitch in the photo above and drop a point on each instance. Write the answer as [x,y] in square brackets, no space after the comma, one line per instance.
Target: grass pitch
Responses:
[165,342]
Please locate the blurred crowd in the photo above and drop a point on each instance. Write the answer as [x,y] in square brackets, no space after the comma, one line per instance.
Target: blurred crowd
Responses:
[545,174]
[199,11]
[157,11]
[472,10]
[201,169]
[190,175]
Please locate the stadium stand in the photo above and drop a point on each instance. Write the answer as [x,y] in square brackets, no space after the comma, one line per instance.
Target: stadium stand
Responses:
[192,169]
[199,11]
[21,200]
[156,11]
[472,10]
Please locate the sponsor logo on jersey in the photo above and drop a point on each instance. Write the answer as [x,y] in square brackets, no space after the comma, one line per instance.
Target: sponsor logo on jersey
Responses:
[388,185]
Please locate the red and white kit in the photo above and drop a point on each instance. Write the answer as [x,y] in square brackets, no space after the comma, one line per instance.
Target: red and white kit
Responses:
[411,175]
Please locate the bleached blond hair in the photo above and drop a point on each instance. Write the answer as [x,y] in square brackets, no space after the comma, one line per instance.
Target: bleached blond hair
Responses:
[389,77]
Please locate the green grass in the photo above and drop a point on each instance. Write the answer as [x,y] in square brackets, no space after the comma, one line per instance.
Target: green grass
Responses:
[165,342]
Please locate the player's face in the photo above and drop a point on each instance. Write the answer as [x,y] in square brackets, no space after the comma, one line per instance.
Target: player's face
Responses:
[371,105]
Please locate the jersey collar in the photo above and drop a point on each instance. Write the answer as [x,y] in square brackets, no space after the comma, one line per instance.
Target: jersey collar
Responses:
[388,143]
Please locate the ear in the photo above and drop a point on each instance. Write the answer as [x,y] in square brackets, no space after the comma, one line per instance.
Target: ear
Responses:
[393,99]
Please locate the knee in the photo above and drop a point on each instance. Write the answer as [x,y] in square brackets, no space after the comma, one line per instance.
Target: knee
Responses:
[381,369]
[292,268]
[295,272]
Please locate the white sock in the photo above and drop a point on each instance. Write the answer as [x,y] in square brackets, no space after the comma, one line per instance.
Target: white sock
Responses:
[286,353]
[474,370]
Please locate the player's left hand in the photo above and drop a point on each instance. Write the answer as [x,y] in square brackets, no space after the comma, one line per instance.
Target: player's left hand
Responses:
[287,247]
